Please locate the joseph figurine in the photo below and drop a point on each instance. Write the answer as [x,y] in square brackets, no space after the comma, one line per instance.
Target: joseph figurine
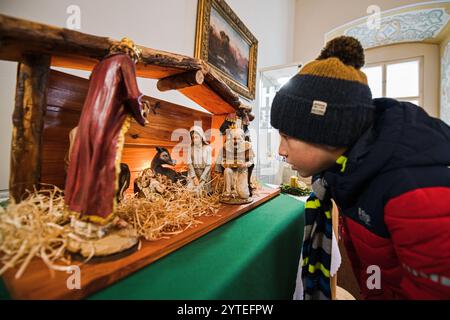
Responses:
[112,100]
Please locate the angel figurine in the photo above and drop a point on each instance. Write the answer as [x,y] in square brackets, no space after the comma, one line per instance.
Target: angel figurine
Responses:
[199,161]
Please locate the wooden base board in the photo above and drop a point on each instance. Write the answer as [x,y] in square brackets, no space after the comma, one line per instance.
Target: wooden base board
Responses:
[39,283]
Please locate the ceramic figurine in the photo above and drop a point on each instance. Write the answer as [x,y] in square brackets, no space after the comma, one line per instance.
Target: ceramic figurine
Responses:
[199,161]
[92,182]
[161,158]
[72,135]
[235,158]
[124,175]
[124,181]
[147,184]
[241,119]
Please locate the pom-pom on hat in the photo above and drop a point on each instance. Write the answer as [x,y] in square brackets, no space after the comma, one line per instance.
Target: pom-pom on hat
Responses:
[329,101]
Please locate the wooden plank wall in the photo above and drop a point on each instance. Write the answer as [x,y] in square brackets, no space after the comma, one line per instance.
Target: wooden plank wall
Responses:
[65,98]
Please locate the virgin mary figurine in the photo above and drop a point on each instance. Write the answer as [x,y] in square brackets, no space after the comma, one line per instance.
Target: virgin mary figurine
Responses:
[112,100]
[199,161]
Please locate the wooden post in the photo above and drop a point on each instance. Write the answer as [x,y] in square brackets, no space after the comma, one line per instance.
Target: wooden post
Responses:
[180,81]
[28,123]
[217,140]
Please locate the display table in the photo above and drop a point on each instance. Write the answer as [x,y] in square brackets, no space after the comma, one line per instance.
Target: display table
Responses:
[252,257]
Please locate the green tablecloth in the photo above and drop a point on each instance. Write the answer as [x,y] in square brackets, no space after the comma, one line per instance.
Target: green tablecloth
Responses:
[252,257]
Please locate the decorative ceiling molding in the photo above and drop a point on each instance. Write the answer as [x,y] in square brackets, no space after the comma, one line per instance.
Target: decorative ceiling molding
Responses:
[412,26]
[423,21]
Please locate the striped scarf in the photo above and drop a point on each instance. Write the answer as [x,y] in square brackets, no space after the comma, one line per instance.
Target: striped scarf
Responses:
[317,241]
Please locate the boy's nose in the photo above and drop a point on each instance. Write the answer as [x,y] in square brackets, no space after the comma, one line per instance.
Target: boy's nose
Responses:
[281,151]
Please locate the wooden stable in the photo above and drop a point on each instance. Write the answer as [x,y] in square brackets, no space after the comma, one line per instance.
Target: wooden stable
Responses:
[65,97]
[37,47]
[48,105]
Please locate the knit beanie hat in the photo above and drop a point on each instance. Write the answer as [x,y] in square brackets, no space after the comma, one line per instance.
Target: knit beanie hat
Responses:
[329,101]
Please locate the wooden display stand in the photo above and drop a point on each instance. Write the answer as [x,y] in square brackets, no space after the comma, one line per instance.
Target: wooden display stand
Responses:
[38,282]
[48,105]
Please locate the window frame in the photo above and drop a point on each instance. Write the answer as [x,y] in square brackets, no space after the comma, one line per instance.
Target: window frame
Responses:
[384,65]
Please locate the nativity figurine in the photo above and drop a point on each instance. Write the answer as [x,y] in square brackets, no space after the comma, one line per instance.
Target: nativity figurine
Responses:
[199,161]
[234,159]
[159,162]
[92,182]
[154,180]
[241,119]
[147,184]
[124,172]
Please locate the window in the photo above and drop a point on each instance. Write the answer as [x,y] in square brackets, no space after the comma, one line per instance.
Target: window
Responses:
[269,162]
[375,79]
[400,80]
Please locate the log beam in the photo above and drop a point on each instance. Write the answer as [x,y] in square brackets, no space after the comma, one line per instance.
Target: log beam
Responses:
[222,89]
[73,49]
[28,124]
[182,80]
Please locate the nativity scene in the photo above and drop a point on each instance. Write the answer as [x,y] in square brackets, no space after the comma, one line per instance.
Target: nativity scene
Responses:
[118,193]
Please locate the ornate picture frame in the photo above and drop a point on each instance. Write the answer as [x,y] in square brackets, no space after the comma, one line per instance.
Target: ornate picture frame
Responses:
[227,45]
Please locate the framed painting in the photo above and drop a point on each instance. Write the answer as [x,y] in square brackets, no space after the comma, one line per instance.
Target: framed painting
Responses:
[226,44]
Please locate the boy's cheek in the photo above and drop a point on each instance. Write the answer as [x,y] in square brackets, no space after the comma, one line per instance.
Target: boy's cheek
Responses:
[305,164]
[302,170]
[296,161]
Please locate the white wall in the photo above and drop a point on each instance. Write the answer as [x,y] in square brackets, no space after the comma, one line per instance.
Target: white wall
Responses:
[161,24]
[272,23]
[444,94]
[314,18]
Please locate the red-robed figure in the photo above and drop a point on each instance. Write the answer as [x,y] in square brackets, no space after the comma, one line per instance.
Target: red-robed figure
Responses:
[112,99]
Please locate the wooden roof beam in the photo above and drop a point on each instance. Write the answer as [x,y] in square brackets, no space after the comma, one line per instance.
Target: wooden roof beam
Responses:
[73,49]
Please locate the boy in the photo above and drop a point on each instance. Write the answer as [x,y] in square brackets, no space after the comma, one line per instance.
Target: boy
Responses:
[385,163]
